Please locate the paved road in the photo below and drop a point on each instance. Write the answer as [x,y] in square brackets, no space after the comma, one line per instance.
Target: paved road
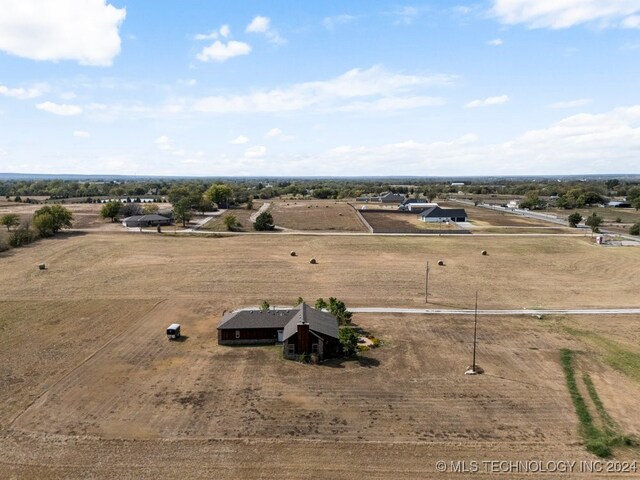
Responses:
[523,311]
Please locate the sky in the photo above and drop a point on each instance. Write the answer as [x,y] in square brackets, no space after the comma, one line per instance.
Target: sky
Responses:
[310,88]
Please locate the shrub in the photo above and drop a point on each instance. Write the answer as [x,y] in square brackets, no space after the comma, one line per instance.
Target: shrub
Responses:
[635,229]
[21,236]
[264,222]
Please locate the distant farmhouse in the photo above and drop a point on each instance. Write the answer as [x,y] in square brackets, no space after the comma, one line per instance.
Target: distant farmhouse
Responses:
[386,197]
[152,220]
[416,204]
[302,330]
[437,214]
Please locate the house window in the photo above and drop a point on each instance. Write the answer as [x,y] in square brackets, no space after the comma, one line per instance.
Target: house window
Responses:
[237,333]
[314,348]
[291,349]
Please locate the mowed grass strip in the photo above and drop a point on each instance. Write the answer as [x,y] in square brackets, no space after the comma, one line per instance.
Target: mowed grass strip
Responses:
[597,441]
[613,354]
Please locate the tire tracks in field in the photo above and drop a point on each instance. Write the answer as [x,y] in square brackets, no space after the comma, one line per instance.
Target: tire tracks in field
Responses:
[81,364]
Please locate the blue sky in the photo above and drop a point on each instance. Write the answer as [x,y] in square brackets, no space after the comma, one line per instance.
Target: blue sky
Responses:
[320,88]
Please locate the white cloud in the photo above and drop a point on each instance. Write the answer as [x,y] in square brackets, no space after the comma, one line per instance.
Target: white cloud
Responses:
[496,42]
[631,22]
[404,15]
[557,14]
[332,22]
[60,109]
[165,144]
[386,90]
[489,101]
[189,82]
[262,25]
[389,104]
[22,93]
[579,144]
[85,31]
[81,134]
[570,103]
[239,140]
[276,133]
[258,151]
[67,96]
[221,52]
[225,31]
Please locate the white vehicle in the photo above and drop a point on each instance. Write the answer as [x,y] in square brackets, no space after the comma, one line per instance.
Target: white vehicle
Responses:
[173,332]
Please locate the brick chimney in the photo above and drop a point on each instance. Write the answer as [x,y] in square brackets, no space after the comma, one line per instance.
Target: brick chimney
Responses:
[304,339]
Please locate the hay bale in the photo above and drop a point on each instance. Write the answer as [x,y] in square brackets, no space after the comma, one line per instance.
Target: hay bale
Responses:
[484,252]
[441,263]
[42,266]
[293,253]
[339,214]
[313,261]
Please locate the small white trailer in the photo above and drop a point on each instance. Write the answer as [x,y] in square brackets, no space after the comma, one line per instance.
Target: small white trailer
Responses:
[173,331]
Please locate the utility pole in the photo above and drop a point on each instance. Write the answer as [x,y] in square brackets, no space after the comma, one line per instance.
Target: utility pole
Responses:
[426,285]
[475,331]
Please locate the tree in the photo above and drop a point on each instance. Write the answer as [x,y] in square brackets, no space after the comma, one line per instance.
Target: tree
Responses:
[150,209]
[339,310]
[635,203]
[264,306]
[204,205]
[182,211]
[10,220]
[532,201]
[129,209]
[264,222]
[21,236]
[594,221]
[299,301]
[349,340]
[635,229]
[219,193]
[111,210]
[50,219]
[320,304]
[231,222]
[574,219]
[250,203]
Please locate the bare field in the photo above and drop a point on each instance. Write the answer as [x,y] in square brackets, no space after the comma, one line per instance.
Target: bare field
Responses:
[319,215]
[484,217]
[91,386]
[242,217]
[402,222]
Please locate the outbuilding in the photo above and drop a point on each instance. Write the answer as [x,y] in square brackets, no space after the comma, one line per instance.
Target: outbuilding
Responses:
[152,220]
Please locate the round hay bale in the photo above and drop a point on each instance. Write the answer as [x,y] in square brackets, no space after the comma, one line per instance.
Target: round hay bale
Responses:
[441,263]
[339,214]
[293,253]
[313,261]
[42,266]
[484,252]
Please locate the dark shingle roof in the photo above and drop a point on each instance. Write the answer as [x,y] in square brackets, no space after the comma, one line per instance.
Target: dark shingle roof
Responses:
[288,320]
[437,212]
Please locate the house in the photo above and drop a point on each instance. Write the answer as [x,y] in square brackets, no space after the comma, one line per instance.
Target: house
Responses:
[386,197]
[152,220]
[411,204]
[457,184]
[301,330]
[437,214]
[616,204]
[513,204]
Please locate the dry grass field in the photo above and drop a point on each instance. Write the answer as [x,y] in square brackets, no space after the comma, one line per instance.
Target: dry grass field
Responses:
[242,217]
[92,388]
[327,215]
[402,222]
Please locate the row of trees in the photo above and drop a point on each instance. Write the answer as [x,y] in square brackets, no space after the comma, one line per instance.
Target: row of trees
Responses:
[47,221]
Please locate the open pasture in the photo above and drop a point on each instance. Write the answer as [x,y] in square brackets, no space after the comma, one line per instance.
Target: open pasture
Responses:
[321,215]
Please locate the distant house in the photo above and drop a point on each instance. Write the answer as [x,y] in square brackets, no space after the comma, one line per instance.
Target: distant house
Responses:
[152,220]
[618,204]
[301,330]
[457,184]
[386,197]
[437,214]
[411,204]
[513,204]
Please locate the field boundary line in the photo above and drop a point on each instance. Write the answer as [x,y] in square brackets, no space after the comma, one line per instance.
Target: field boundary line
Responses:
[82,363]
[362,219]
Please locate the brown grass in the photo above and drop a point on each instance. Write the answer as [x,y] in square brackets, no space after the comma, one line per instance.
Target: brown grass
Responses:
[96,389]
[402,222]
[320,215]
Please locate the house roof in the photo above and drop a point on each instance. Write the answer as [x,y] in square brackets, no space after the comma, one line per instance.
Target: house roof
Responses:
[320,322]
[437,212]
[146,218]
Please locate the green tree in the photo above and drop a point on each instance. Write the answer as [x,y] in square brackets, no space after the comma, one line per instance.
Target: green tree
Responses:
[250,203]
[299,301]
[320,304]
[182,211]
[574,219]
[264,306]
[349,340]
[635,229]
[10,220]
[264,222]
[150,208]
[50,219]
[231,222]
[635,203]
[111,210]
[219,194]
[594,221]
[21,236]
[339,310]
